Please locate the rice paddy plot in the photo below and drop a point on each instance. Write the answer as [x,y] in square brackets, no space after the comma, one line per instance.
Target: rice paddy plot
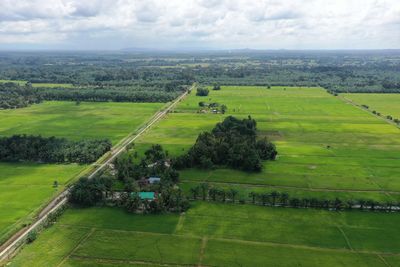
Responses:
[386,104]
[216,235]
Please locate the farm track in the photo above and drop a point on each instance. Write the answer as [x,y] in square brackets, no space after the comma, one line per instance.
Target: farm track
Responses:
[7,248]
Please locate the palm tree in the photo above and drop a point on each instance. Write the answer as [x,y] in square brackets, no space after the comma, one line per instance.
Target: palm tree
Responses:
[274,195]
[389,205]
[195,192]
[233,193]
[314,202]
[294,202]
[253,196]
[213,193]
[371,204]
[350,204]
[361,202]
[204,190]
[264,198]
[284,198]
[338,204]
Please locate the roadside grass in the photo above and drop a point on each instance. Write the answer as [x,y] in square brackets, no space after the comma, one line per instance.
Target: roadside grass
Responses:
[26,187]
[217,235]
[386,104]
[323,142]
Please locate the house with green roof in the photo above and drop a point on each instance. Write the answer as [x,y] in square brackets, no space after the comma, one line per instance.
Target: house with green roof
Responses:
[145,195]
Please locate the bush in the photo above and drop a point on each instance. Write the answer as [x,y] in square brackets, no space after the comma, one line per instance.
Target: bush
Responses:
[32,235]
[202,92]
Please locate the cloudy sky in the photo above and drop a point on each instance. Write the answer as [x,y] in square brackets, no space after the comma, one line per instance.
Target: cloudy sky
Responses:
[199,24]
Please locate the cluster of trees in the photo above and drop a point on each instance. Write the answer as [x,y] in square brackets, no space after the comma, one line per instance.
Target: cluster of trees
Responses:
[51,149]
[232,143]
[217,87]
[215,106]
[201,91]
[89,192]
[14,96]
[130,169]
[99,191]
[282,199]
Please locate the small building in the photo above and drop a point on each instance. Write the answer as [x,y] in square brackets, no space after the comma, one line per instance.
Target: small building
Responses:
[146,195]
[154,180]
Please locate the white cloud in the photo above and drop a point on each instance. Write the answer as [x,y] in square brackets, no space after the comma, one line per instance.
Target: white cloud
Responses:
[104,24]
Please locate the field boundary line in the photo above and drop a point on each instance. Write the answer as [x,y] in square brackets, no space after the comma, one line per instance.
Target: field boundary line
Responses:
[384,261]
[15,240]
[110,260]
[204,241]
[80,242]
[179,225]
[345,237]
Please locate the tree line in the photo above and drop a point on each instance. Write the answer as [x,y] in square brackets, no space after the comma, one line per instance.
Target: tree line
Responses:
[231,143]
[13,95]
[206,192]
[51,149]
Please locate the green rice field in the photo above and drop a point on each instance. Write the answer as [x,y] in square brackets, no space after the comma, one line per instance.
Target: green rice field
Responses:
[86,120]
[386,104]
[217,235]
[326,146]
[25,187]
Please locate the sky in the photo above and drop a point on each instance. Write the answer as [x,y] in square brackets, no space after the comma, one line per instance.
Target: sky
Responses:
[199,24]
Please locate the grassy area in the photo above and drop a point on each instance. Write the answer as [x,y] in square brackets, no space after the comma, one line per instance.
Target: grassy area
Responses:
[217,235]
[38,85]
[324,143]
[386,104]
[25,187]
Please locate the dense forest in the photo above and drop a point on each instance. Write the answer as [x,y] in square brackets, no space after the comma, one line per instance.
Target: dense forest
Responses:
[232,143]
[338,71]
[51,149]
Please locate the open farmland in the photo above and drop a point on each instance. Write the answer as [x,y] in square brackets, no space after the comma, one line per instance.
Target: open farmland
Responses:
[386,104]
[326,146]
[25,187]
[86,120]
[217,235]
